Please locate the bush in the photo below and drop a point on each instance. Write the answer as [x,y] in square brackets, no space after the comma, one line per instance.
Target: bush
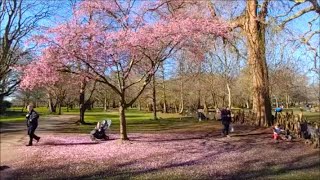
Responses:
[4,105]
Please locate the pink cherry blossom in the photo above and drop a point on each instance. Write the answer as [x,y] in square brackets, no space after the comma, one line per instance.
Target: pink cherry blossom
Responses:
[198,155]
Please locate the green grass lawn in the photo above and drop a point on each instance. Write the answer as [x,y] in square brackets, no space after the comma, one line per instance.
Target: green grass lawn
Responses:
[138,121]
[17,114]
[133,116]
[310,116]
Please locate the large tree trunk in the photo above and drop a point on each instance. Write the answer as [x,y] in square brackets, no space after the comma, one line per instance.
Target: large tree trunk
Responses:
[123,123]
[154,100]
[229,95]
[52,106]
[255,32]
[82,103]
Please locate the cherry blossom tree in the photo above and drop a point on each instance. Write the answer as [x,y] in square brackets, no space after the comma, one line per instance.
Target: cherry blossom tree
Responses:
[57,85]
[122,44]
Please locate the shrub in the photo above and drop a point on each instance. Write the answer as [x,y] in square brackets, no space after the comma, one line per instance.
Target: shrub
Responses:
[4,105]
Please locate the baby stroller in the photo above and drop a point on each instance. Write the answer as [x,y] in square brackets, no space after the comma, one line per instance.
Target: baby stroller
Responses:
[99,132]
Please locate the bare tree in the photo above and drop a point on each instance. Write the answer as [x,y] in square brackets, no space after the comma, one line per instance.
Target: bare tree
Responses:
[253,23]
[18,19]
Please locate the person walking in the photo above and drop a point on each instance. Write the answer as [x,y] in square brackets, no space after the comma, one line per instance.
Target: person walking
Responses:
[32,124]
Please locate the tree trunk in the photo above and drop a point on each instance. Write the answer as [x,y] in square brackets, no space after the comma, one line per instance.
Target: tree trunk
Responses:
[181,97]
[229,95]
[287,101]
[223,100]
[81,102]
[164,91]
[247,104]
[165,110]
[2,110]
[154,100]
[214,100]
[23,107]
[255,32]
[82,111]
[59,108]
[123,123]
[52,106]
[105,104]
[139,105]
[176,108]
[205,108]
[113,104]
[88,105]
[199,100]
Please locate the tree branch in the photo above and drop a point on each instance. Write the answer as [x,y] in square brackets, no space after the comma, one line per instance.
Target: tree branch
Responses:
[298,14]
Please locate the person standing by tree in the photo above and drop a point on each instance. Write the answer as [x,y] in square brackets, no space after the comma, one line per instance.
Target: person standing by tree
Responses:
[226,120]
[32,124]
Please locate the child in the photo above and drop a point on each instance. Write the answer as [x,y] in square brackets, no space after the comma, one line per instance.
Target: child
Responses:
[276,132]
[279,133]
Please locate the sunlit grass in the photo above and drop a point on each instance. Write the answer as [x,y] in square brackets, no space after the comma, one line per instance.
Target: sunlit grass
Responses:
[138,121]
[19,114]
[310,116]
[133,115]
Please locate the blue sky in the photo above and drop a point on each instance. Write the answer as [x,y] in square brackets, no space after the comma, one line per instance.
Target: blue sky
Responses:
[299,26]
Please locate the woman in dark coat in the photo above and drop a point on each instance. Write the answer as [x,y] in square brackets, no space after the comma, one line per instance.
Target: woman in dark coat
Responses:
[32,124]
[226,120]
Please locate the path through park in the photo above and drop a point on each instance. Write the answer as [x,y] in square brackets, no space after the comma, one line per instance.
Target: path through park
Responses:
[249,154]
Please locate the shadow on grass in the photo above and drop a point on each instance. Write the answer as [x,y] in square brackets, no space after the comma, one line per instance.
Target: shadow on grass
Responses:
[124,170]
[244,173]
[4,168]
[70,144]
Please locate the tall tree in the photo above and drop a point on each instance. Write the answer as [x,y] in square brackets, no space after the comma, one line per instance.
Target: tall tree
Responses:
[112,38]
[18,19]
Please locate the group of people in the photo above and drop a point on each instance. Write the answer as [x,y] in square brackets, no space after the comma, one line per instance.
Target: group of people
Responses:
[100,130]
[32,117]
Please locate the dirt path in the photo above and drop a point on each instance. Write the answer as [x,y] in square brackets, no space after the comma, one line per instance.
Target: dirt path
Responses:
[248,154]
[15,134]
